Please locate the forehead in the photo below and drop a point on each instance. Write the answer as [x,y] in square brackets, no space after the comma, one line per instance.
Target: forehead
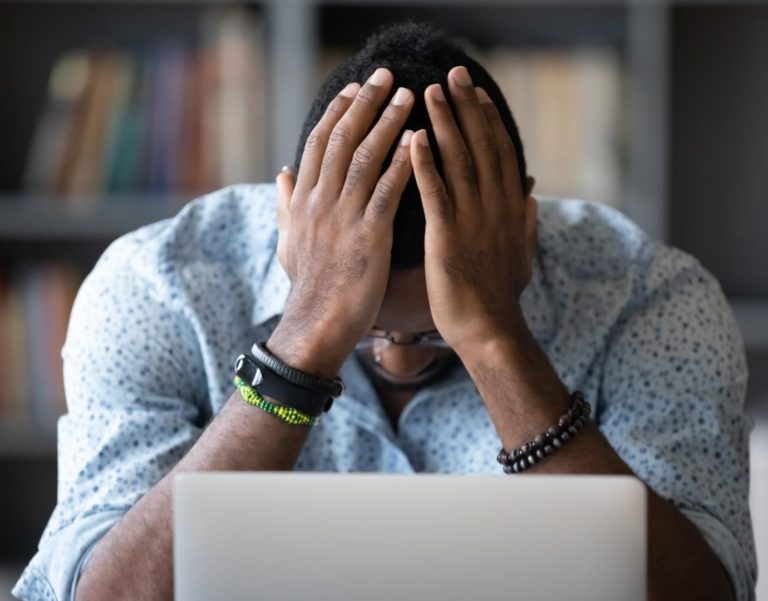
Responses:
[405,307]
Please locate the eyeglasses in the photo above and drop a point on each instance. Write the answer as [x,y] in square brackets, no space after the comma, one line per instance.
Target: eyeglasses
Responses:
[429,338]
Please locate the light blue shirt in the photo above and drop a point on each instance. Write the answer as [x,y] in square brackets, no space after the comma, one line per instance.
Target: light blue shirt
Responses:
[641,328]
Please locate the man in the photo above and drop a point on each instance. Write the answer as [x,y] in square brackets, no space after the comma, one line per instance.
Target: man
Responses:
[460,311]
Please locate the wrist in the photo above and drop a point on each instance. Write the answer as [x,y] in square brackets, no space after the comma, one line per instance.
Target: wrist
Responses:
[493,338]
[313,354]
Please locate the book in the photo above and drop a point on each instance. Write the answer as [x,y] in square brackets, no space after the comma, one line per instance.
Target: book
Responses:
[568,108]
[66,87]
[165,112]
[35,305]
[161,120]
[81,180]
[15,341]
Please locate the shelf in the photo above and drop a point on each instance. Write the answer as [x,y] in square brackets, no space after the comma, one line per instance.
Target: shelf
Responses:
[32,218]
[20,439]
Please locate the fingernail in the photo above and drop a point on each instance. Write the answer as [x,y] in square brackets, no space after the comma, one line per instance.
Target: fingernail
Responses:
[437,93]
[406,139]
[461,76]
[401,97]
[421,137]
[286,169]
[482,96]
[350,91]
[379,77]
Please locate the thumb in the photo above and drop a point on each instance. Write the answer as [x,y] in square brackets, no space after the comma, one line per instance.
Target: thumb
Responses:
[286,181]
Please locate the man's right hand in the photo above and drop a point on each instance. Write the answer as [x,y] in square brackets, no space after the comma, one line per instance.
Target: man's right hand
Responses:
[335,225]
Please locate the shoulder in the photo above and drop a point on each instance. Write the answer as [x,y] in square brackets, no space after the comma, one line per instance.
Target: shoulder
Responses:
[234,227]
[591,240]
[587,242]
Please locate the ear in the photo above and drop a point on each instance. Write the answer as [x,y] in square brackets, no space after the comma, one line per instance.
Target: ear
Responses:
[286,181]
[529,183]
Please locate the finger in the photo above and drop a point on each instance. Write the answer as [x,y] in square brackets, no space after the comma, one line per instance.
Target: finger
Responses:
[389,189]
[458,164]
[286,182]
[365,168]
[434,195]
[349,131]
[477,133]
[317,140]
[510,174]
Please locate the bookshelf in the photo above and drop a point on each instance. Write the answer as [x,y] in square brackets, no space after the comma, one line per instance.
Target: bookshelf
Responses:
[666,99]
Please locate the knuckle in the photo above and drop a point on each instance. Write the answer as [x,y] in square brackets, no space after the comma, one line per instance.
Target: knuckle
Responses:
[340,136]
[438,192]
[314,209]
[381,198]
[506,148]
[363,155]
[383,190]
[367,94]
[329,159]
[337,106]
[425,162]
[336,218]
[466,165]
[442,202]
[349,187]
[315,140]
[462,157]
[354,175]
[390,115]
[470,100]
[361,237]
[486,141]
[400,159]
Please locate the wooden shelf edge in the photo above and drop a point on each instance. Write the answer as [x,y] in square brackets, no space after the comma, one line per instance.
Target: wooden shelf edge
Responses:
[21,439]
[32,218]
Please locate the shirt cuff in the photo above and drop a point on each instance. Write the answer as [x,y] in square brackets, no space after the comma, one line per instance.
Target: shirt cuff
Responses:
[727,549]
[53,572]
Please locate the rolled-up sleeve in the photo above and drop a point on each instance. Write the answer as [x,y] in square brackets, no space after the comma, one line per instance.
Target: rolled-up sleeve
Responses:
[132,377]
[672,405]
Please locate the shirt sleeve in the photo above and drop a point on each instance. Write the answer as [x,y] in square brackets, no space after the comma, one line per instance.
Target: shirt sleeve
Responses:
[672,404]
[132,376]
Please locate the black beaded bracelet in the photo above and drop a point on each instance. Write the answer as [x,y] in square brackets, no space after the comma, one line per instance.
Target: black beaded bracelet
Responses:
[568,425]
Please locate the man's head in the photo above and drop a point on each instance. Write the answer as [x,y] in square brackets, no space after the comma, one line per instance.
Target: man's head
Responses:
[418,55]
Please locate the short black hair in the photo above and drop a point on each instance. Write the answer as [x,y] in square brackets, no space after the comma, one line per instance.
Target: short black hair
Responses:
[418,55]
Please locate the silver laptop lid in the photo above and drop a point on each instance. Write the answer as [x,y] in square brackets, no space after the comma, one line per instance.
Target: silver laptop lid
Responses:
[279,536]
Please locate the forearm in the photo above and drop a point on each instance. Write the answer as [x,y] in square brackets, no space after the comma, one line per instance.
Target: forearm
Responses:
[524,397]
[134,560]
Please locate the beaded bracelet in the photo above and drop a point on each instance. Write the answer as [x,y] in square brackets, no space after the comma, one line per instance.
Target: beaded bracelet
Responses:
[289,415]
[533,451]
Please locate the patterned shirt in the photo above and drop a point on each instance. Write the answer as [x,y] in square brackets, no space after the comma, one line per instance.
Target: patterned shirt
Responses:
[640,327]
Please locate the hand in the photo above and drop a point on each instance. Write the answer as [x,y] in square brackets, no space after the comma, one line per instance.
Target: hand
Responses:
[335,226]
[481,228]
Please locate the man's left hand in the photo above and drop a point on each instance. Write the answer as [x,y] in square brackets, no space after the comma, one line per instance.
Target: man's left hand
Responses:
[481,226]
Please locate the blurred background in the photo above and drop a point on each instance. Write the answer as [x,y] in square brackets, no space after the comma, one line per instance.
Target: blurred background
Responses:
[115,113]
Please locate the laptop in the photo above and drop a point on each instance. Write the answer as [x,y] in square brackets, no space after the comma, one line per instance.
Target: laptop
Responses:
[296,536]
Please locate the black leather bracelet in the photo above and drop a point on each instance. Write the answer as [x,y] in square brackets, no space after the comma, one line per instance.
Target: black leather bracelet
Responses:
[261,353]
[273,378]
